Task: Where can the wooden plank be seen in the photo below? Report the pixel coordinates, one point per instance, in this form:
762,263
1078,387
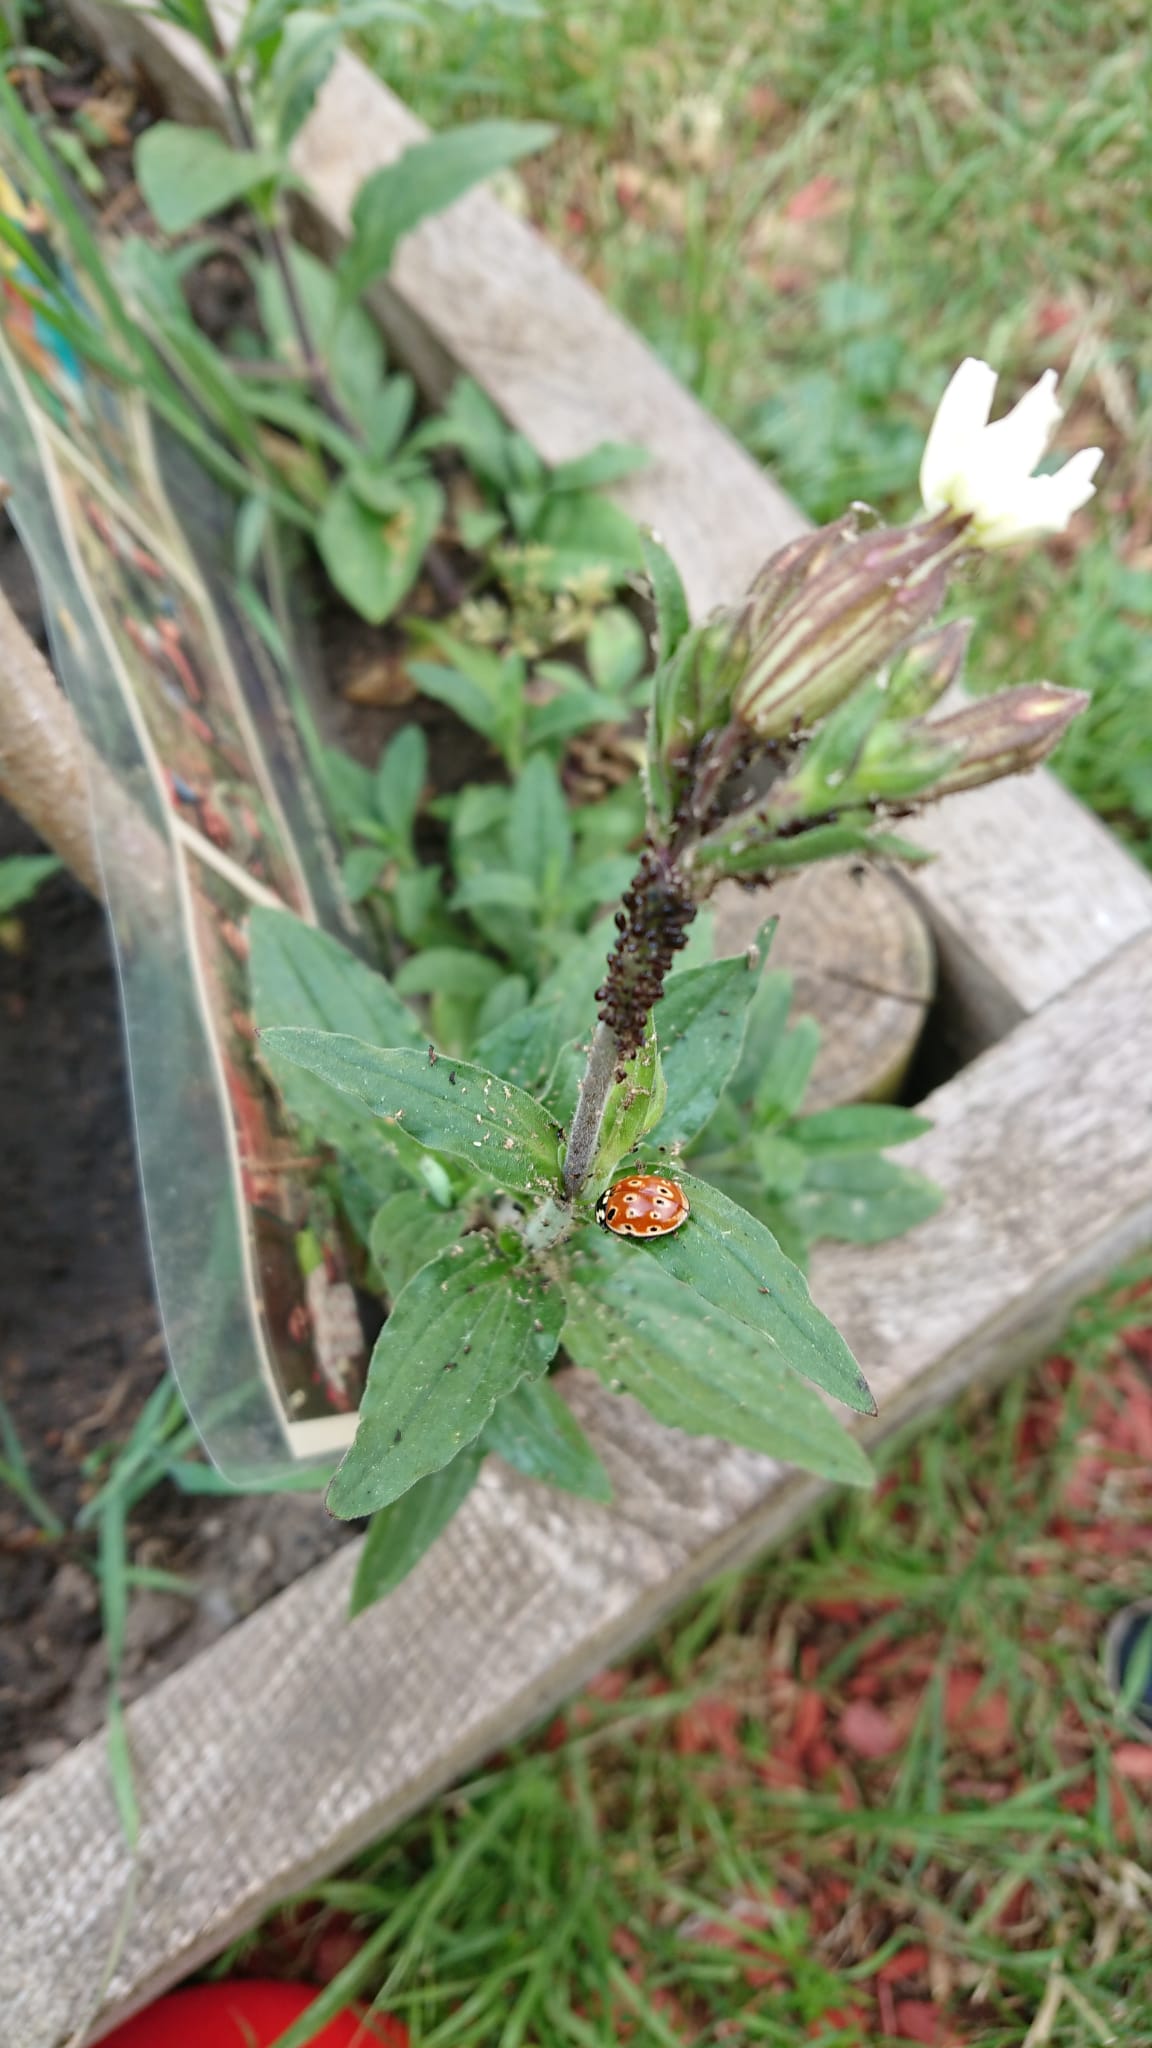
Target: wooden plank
1029,891
300,1736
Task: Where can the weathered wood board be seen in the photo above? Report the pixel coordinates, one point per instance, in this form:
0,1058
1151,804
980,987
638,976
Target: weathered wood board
299,1736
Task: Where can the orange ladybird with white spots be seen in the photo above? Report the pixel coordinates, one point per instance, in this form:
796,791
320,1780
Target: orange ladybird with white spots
642,1205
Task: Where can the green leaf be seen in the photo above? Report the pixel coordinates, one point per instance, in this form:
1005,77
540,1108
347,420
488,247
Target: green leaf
673,618
616,648
459,1109
784,1079
538,836
782,1165
400,777
534,1430
349,788
463,1334
193,15
448,971
701,1021
399,1535
527,1048
496,889
408,1231
604,464
594,884
305,977
386,416
374,561
186,173
360,871
424,180
573,711
865,1127
21,875
508,999
767,1022
863,1200
735,1263
585,532
692,1365
634,1107
470,422
304,56
467,698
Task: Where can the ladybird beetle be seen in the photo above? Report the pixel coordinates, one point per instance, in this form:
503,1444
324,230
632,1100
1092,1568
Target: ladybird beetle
642,1205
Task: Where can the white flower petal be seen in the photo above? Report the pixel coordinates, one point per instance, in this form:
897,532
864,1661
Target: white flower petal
1020,440
961,416
984,473
1043,504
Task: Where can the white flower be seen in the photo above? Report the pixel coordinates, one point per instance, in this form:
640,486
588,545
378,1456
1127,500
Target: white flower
986,471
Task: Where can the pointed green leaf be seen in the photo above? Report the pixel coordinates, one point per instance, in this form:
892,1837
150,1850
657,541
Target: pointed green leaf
448,971
604,464
616,648
583,532
301,976
669,602
408,1231
304,56
634,1107
863,1200
185,173
863,1127
692,1365
462,694
372,560
399,1535
526,1049
538,835
304,976
464,1333
21,875
400,777
735,1263
783,1081
448,1107
535,1431
424,180
701,1021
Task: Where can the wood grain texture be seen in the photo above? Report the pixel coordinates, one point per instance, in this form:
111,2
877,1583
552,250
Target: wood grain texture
860,953
300,1736
1029,891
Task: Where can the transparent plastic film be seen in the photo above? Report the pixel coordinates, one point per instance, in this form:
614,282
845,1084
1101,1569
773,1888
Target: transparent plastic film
203,807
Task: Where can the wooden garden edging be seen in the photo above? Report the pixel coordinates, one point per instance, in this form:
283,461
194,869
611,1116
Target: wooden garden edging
297,1737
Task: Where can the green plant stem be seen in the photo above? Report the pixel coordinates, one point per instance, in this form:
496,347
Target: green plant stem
595,1088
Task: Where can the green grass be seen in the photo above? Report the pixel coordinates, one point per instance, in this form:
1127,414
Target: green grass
813,211
669,1862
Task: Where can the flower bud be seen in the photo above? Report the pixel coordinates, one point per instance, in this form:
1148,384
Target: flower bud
1004,734
850,604
927,669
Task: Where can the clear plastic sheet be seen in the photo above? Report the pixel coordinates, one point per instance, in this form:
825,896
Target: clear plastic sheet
186,719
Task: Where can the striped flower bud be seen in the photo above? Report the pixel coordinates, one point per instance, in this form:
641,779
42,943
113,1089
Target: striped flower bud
842,610
1002,735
